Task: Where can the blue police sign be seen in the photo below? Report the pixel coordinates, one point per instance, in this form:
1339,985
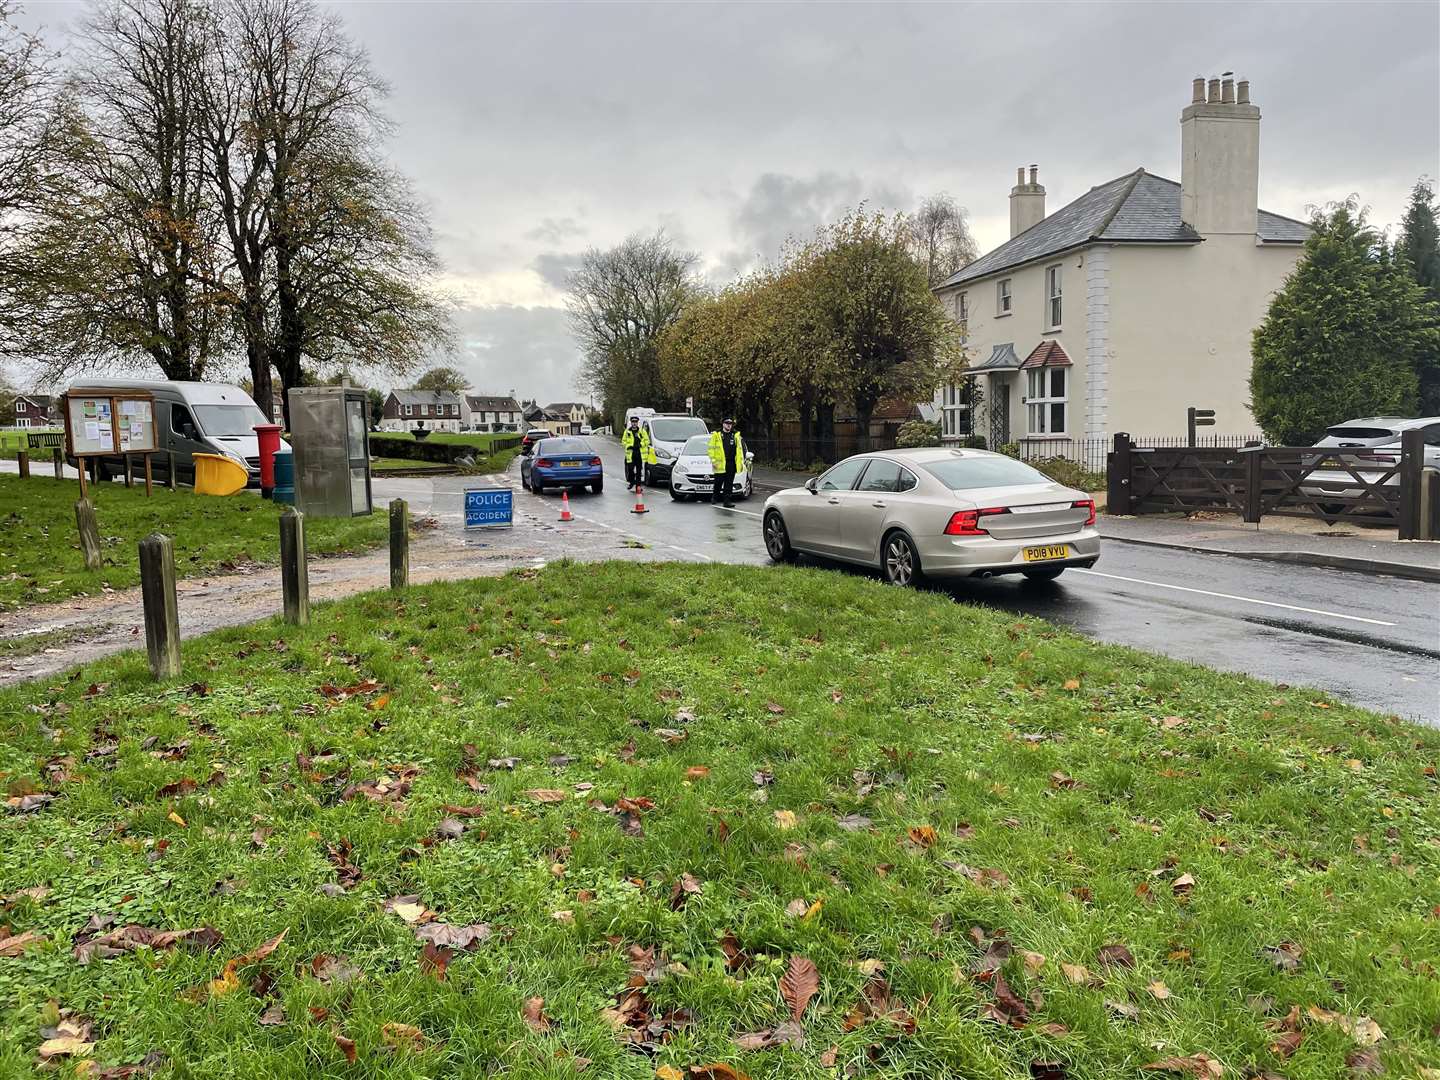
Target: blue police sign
487,508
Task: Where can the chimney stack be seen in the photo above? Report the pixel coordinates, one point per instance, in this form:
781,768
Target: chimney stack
1220,158
1027,201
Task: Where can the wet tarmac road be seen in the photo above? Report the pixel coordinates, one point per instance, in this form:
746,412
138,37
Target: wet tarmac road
1371,640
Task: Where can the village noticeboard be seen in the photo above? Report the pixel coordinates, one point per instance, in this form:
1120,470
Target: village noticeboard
489,508
110,423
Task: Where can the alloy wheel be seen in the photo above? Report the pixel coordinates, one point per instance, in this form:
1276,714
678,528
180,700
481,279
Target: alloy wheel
776,542
899,561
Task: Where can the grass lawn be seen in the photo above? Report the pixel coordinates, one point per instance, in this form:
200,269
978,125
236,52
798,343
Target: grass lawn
654,796
381,465
40,558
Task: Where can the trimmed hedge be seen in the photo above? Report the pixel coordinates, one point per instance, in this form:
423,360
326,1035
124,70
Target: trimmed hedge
447,453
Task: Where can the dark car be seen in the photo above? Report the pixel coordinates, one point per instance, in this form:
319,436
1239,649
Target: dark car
531,437
565,462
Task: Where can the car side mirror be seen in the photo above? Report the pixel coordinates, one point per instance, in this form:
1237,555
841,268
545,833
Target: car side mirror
812,485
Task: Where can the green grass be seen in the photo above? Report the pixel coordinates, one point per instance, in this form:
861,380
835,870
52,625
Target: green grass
813,693
381,465
40,560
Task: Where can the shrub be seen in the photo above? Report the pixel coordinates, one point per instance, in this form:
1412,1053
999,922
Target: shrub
917,433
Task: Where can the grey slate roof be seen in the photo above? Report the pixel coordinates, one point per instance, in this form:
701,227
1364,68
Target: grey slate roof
426,397
1002,358
487,403
1137,208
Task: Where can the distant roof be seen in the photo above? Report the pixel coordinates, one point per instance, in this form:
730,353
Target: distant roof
1047,354
564,406
45,401
482,401
426,397
1137,208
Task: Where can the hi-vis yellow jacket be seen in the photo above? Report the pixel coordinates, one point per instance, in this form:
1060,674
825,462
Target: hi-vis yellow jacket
717,452
627,442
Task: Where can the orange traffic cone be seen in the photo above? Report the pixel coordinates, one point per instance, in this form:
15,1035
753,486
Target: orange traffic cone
639,507
565,514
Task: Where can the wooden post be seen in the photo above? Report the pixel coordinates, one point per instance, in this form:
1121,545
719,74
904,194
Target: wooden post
1412,464
1254,473
170,480
399,544
149,481
1117,478
162,619
24,457
58,456
294,574
89,533
80,469
129,471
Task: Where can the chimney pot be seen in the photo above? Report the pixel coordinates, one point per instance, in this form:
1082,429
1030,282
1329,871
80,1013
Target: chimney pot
1020,176
1227,91
1242,88
1212,95
1197,91
1034,174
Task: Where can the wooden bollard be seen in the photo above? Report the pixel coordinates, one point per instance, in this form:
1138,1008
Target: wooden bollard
294,574
58,457
162,618
399,544
89,533
170,479
24,465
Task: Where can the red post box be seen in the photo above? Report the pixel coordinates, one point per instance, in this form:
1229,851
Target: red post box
268,436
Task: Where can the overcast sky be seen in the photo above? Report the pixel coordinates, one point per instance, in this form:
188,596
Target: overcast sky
538,130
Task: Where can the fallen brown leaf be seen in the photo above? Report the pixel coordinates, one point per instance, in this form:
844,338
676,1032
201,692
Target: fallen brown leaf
1194,1065
534,1015
799,984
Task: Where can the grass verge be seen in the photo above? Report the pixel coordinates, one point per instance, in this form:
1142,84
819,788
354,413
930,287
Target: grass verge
40,558
589,818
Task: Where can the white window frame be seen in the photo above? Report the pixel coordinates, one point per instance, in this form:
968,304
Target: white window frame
1040,406
1054,291
405,410
1004,297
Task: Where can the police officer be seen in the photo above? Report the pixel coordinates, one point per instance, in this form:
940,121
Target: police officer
727,457
635,442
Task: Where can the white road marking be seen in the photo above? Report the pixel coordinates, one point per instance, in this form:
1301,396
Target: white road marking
1228,596
737,510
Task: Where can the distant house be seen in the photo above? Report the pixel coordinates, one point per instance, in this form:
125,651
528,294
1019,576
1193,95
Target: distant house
536,417
434,410
1131,303
480,412
572,413
37,411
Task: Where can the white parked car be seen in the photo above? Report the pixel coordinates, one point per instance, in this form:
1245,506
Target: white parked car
694,476
1374,440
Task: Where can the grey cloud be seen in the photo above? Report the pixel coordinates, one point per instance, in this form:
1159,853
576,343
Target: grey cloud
555,230
555,267
528,350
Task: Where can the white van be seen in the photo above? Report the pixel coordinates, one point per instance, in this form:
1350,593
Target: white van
192,418
669,433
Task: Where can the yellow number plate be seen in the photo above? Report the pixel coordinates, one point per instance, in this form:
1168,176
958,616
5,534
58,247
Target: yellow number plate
1041,554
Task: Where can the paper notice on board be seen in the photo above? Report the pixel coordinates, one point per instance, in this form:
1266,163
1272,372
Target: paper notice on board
127,407
92,431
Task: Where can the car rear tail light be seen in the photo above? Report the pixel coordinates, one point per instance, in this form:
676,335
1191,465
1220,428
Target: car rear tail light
1088,505
594,461
1373,455
967,522
545,463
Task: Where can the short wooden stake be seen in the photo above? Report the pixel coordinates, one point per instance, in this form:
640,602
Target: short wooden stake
24,465
89,533
294,574
149,480
162,618
59,458
399,544
170,479
129,472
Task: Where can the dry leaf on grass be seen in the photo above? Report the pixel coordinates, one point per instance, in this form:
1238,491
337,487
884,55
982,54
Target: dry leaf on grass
534,1015
547,795
799,984
1195,1065
785,819
790,1033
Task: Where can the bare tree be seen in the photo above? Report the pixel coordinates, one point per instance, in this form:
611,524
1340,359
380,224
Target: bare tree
940,237
619,302
26,138
122,256
331,250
